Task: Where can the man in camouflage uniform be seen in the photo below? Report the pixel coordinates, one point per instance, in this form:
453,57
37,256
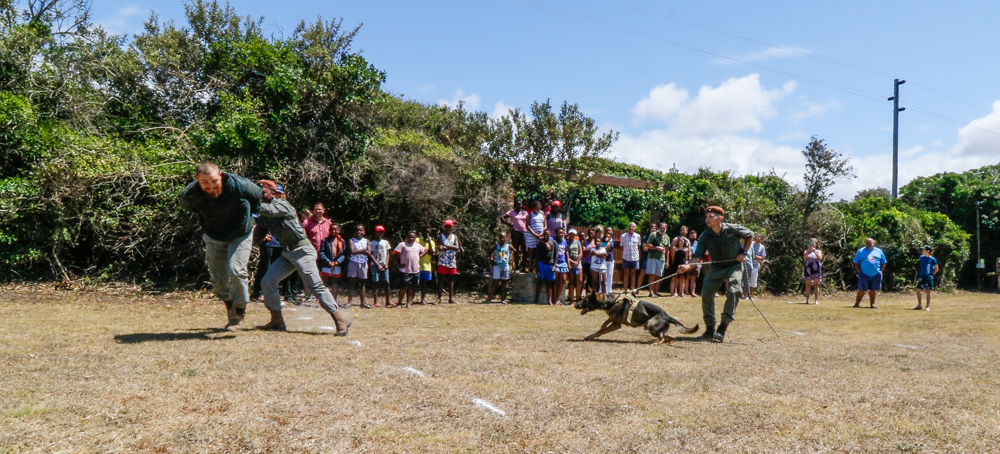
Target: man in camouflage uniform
726,245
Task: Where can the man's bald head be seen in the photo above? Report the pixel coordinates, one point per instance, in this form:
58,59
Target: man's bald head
206,168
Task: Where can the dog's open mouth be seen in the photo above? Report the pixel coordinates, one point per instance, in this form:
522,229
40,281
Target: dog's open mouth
584,311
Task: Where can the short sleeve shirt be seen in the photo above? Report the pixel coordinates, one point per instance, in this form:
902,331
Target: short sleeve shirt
655,239
409,257
725,245
871,261
431,247
630,246
381,252
519,221
927,265
758,249
317,231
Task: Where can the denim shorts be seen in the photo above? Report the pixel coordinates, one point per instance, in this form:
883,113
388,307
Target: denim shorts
379,275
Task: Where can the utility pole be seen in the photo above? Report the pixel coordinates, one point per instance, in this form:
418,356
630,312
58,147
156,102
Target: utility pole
895,135
980,265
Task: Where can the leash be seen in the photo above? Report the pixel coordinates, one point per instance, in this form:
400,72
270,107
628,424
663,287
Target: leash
633,293
672,275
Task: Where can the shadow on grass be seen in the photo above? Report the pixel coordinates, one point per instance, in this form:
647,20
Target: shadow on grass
201,334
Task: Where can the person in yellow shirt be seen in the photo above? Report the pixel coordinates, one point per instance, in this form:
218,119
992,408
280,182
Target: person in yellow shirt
426,265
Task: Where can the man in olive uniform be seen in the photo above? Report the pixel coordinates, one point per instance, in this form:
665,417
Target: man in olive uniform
277,216
727,245
224,203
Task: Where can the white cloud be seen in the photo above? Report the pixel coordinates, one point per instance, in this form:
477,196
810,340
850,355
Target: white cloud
771,53
123,20
736,105
661,103
501,110
981,137
704,131
470,101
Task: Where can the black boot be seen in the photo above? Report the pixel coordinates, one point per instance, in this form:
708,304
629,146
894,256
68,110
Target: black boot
720,335
709,333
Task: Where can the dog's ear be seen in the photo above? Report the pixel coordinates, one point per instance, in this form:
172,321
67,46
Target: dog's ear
599,297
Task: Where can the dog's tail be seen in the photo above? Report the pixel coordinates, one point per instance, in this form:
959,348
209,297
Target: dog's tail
683,329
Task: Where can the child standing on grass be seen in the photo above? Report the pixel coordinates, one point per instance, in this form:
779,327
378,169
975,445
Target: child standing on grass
409,253
380,274
357,269
546,256
331,255
426,263
928,269
447,263
561,267
598,259
501,269
574,259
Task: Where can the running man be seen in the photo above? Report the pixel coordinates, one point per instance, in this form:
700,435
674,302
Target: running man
224,203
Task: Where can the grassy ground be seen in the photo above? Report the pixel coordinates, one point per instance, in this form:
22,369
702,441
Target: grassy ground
98,372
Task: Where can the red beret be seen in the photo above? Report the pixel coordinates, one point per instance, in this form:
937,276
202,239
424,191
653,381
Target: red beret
715,209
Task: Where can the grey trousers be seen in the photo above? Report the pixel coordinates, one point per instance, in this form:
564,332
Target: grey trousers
303,260
733,278
227,266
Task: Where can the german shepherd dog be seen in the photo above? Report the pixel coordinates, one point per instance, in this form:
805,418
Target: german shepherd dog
627,310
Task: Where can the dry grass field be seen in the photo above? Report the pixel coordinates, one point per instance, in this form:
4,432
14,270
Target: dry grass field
100,372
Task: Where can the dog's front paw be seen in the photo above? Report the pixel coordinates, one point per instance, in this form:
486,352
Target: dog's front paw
590,338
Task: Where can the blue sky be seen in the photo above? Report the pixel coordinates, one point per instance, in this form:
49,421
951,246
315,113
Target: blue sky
656,72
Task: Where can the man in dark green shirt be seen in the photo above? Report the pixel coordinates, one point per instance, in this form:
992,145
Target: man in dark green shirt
726,245
224,203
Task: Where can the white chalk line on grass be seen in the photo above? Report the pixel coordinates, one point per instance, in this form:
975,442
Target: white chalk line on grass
800,334
906,346
304,318
330,328
488,406
413,371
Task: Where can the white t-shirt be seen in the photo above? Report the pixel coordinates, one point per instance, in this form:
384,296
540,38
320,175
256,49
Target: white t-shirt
630,246
381,252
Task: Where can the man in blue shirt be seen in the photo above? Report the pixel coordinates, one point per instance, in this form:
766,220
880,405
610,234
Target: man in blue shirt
928,268
869,263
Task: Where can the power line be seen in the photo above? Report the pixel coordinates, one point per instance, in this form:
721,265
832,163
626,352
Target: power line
798,52
849,90
567,13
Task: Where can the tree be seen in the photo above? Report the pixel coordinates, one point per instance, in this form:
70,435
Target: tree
824,166
547,153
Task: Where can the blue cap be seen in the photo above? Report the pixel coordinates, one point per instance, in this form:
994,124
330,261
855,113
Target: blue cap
279,189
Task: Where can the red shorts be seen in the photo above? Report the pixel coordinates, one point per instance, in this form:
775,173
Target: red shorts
444,271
